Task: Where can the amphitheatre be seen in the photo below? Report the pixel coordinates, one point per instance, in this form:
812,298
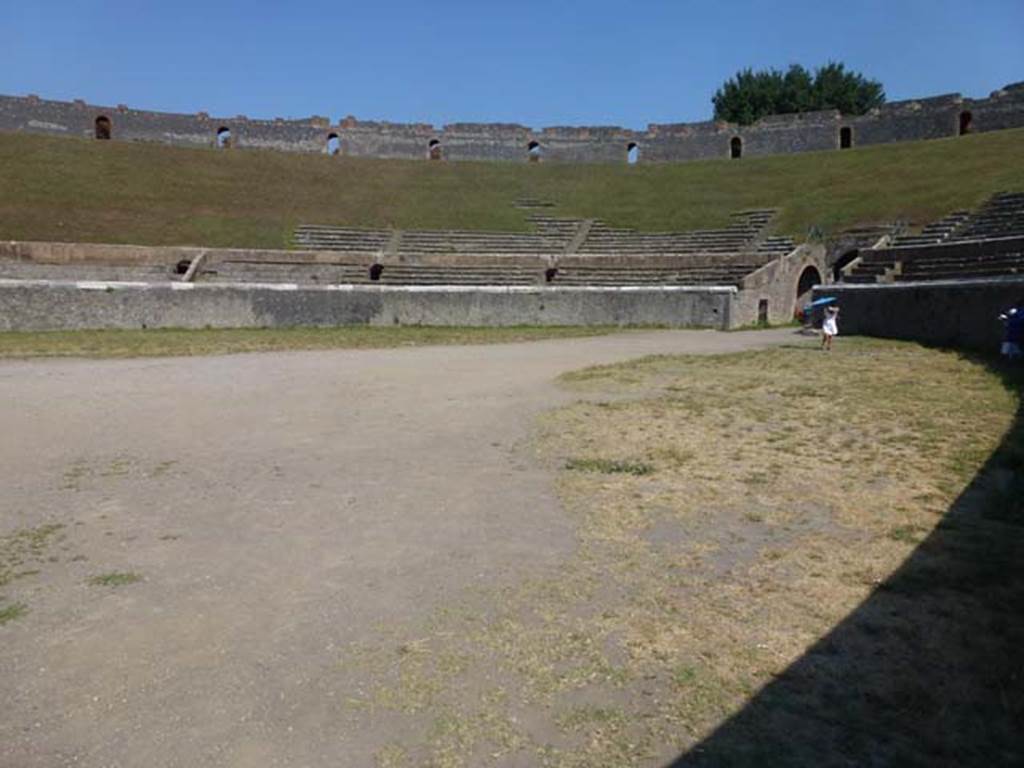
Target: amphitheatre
378,444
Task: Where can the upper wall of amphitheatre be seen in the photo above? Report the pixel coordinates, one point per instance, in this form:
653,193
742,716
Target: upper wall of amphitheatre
929,118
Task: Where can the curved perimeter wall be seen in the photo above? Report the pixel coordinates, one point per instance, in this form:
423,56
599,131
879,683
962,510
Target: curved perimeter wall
34,295
930,118
962,314
45,305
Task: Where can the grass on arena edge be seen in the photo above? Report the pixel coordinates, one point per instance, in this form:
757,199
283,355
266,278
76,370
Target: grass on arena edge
183,342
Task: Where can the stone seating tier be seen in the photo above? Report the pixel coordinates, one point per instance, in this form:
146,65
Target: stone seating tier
564,229
870,269
270,272
713,275
936,232
553,236
959,267
483,242
27,270
1001,216
312,272
417,274
776,245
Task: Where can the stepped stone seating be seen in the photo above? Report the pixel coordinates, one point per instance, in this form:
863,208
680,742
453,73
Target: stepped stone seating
325,238
553,236
873,265
935,232
302,272
562,230
426,241
717,274
742,235
479,275
775,246
957,267
958,246
1001,216
528,203
143,273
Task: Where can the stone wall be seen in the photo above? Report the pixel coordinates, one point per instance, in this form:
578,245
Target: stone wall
780,134
35,305
962,314
777,283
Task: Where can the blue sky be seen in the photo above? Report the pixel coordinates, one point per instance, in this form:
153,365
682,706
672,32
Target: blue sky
555,63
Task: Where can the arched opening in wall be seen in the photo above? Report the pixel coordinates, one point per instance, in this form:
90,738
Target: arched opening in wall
376,270
103,128
534,151
842,262
762,311
965,122
736,148
333,144
223,137
809,278
633,153
845,137
434,149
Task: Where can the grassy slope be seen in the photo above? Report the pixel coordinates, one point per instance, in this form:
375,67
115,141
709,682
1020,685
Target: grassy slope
71,189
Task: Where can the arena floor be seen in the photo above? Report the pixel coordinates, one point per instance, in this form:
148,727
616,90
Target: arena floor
200,536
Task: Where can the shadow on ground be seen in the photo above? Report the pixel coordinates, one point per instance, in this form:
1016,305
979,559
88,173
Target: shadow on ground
928,670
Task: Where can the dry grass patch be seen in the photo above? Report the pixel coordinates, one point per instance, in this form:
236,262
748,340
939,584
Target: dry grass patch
114,579
798,577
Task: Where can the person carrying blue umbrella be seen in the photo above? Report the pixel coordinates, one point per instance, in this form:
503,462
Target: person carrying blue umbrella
829,327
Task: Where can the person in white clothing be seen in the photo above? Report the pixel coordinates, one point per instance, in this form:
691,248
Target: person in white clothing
830,327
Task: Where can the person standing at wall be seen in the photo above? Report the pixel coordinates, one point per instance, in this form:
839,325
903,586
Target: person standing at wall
1013,335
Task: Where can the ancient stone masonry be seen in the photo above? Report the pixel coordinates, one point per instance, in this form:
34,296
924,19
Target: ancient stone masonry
930,118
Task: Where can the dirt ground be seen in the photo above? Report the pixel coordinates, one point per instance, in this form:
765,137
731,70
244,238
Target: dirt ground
189,546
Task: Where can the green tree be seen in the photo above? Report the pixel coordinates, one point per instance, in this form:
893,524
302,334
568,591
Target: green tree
849,92
749,95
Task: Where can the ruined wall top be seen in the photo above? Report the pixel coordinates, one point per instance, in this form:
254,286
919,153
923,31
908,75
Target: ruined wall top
911,119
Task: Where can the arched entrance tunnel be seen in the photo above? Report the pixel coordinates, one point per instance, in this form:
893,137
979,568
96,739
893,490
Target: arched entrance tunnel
809,278
102,128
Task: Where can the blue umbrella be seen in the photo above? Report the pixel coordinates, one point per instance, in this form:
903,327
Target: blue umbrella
819,303
822,302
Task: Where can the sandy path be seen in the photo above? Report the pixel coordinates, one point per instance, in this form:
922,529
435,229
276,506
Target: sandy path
278,507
